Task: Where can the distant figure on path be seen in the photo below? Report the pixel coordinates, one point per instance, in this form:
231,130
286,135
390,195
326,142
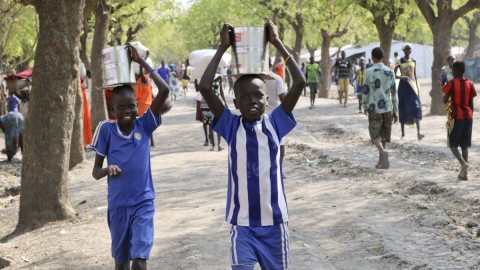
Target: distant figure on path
87,121
459,94
359,76
446,73
312,73
342,71
207,115
163,71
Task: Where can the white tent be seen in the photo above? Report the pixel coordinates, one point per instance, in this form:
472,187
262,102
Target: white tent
423,54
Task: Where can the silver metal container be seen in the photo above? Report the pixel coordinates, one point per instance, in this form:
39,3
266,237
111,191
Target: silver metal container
117,67
252,53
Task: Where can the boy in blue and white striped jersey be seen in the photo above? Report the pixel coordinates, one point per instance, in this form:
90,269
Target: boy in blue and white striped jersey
256,203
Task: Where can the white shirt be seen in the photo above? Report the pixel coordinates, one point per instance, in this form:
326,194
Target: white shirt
275,88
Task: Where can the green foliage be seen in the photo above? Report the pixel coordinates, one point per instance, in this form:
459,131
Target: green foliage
18,33
412,27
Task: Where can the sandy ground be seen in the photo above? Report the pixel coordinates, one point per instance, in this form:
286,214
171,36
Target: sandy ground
344,214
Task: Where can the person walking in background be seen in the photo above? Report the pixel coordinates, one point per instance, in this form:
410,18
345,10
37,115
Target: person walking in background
230,80
279,68
87,122
446,72
342,70
359,76
409,105
185,79
276,91
459,94
380,104
312,73
143,94
302,69
163,71
207,115
174,85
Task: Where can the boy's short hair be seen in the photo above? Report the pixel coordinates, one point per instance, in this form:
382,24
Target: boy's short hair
377,53
117,90
243,79
458,68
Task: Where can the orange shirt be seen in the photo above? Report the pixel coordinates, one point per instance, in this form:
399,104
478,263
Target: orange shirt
280,70
143,92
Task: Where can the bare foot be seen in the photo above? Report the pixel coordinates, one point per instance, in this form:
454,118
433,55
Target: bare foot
383,163
463,173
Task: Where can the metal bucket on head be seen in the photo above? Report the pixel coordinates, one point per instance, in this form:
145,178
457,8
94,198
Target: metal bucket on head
250,50
117,66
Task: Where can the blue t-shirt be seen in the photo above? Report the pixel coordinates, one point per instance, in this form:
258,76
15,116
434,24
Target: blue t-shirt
131,153
163,72
255,195
13,103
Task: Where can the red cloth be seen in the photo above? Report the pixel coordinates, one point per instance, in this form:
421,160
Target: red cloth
22,75
87,123
461,91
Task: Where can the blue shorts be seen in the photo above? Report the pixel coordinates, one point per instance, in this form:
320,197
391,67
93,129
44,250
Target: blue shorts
267,245
131,229
460,134
359,90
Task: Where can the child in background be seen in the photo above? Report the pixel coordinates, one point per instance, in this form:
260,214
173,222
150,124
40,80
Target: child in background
143,93
174,85
256,204
12,103
359,74
125,142
459,94
87,121
207,115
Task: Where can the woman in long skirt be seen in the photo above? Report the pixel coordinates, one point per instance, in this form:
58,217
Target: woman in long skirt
409,106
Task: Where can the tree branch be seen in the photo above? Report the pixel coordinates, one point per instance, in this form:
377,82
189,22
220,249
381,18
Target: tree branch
463,10
427,11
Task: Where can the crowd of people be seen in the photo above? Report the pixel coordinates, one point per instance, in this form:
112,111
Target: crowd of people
256,203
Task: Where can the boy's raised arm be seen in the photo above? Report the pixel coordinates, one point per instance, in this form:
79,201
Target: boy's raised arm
298,80
163,89
205,85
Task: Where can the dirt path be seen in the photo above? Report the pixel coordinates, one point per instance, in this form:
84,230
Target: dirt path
344,214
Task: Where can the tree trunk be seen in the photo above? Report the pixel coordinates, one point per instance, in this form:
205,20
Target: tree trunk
83,44
442,33
44,196
100,38
77,154
385,34
297,48
325,66
473,38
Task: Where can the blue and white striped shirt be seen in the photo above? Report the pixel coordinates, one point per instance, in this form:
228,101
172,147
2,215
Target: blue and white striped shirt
256,194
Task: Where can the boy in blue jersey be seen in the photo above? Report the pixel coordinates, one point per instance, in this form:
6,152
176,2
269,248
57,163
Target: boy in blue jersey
256,204
126,144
